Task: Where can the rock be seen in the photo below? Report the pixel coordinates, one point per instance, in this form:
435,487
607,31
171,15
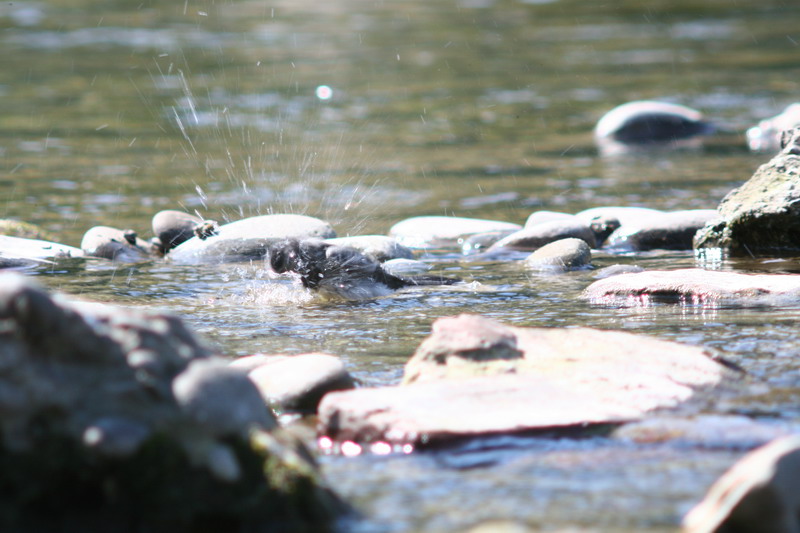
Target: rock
602,227
444,232
625,215
24,230
173,228
646,124
668,231
249,238
538,217
560,256
297,383
404,267
480,242
762,217
114,418
703,431
114,244
766,137
693,286
759,493
536,236
20,252
377,247
474,376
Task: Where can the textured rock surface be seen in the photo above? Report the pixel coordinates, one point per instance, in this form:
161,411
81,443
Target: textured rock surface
762,217
434,231
474,376
693,285
760,493
249,238
121,421
560,256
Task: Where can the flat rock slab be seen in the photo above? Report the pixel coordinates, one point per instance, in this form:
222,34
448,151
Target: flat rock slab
474,376
34,250
668,231
249,238
693,285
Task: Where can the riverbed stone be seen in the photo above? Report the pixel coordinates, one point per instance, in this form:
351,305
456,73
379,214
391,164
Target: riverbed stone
172,228
626,215
762,217
693,286
115,244
24,230
19,252
538,217
668,231
112,417
377,247
561,256
533,237
766,136
249,238
646,124
761,492
474,376
297,383
444,232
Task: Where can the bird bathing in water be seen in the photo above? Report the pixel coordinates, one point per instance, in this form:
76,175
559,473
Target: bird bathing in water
341,271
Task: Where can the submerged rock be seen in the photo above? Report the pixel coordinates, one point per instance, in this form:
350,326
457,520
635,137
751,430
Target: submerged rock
119,420
115,244
693,285
535,236
297,383
249,238
762,217
444,232
668,231
560,256
626,215
647,124
766,136
474,376
761,492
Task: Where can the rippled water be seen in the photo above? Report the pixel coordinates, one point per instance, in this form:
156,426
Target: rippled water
480,108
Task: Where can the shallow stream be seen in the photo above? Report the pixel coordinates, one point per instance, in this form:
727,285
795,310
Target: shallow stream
366,113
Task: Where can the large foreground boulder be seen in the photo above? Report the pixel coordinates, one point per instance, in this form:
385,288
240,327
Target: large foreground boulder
693,286
116,420
759,493
762,217
474,377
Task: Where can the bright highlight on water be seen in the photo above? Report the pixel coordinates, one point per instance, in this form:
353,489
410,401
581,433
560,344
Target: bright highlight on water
324,92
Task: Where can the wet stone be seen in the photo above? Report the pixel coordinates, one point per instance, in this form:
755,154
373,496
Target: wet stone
533,237
377,247
444,232
667,231
173,228
18,251
115,244
561,256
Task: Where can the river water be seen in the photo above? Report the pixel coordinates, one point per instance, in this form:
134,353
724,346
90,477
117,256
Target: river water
366,113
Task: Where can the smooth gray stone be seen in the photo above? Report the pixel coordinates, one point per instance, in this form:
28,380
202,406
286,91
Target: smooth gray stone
481,242
533,237
476,377
377,247
20,252
625,215
643,125
249,238
761,492
669,231
537,217
694,286
403,267
762,217
173,228
766,136
561,256
115,244
444,232
297,383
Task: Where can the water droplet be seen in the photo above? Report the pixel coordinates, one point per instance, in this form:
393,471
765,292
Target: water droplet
324,92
